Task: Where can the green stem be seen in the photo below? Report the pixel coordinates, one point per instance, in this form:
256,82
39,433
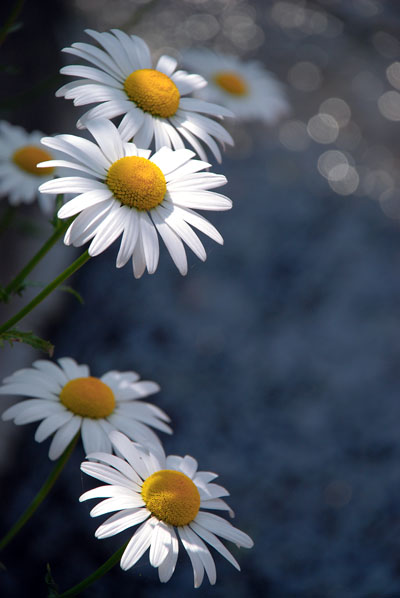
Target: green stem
113,560
41,495
12,17
78,263
16,282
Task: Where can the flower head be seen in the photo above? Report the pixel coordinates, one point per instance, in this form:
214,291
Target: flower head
246,88
123,81
126,191
165,495
68,399
20,152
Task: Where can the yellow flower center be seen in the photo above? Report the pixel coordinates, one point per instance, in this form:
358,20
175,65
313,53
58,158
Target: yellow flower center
231,82
88,397
171,496
136,182
153,92
28,156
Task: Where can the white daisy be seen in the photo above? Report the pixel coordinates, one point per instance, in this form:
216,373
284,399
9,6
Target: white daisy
164,494
125,191
20,152
68,399
124,82
246,88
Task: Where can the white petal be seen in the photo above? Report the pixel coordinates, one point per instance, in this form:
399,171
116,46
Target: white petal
51,370
49,425
202,200
166,64
109,491
190,138
119,473
129,237
223,528
93,437
135,431
72,369
138,260
131,123
200,223
84,201
149,240
131,453
197,564
63,437
167,567
160,542
108,231
84,227
107,137
196,105
82,150
88,72
113,47
161,137
71,184
28,390
121,521
187,83
183,231
211,539
145,134
197,181
109,109
97,57
169,160
172,241
138,544
198,546
116,504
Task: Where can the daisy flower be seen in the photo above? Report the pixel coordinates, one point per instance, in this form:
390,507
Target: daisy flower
123,81
166,495
125,191
246,88
68,399
20,178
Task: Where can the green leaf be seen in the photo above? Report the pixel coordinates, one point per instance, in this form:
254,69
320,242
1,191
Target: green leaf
17,336
51,584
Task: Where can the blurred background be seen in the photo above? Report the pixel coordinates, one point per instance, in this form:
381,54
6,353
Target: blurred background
279,357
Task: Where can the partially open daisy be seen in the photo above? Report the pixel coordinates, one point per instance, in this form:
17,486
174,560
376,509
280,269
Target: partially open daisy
125,191
164,494
68,399
20,178
246,88
123,81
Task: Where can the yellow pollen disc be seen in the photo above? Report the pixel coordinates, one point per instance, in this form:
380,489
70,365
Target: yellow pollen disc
231,82
153,92
136,182
28,156
171,496
88,397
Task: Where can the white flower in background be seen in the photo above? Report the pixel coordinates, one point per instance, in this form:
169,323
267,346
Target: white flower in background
164,494
68,400
124,82
20,152
246,88
125,191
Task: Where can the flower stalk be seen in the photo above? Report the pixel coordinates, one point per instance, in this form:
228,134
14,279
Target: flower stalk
109,564
41,495
78,263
